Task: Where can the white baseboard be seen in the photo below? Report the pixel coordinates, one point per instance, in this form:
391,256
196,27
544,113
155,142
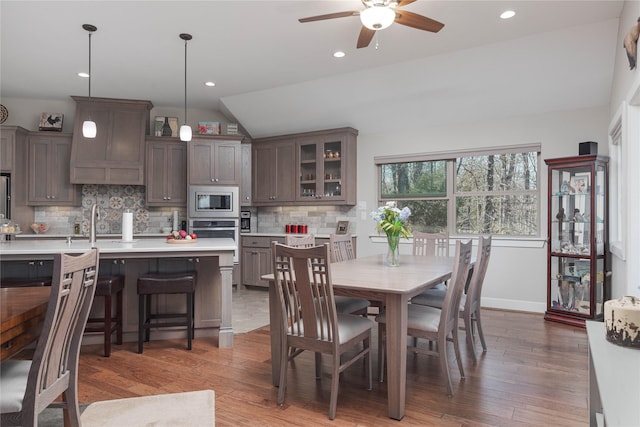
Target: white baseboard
518,305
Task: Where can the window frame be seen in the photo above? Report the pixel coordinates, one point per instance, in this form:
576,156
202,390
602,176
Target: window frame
451,157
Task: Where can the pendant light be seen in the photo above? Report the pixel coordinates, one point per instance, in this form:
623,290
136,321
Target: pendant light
89,129
185,129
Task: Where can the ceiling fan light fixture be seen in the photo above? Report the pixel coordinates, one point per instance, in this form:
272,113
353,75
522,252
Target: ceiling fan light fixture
377,17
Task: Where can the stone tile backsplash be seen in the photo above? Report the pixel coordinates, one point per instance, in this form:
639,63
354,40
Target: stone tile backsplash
112,201
319,219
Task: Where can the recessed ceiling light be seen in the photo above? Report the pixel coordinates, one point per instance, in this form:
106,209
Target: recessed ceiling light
85,75
210,84
507,14
339,54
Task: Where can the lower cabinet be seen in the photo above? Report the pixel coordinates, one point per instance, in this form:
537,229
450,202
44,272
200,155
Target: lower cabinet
256,259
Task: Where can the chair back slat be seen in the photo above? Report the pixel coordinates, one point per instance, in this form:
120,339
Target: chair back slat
453,295
480,269
341,246
306,241
304,288
430,244
55,361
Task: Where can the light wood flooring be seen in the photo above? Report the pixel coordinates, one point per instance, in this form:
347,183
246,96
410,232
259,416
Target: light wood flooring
534,374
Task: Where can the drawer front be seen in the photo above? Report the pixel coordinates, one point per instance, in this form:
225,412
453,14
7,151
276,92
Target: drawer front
259,241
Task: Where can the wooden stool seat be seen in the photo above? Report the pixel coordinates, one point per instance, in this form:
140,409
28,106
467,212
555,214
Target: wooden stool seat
20,283
160,284
106,287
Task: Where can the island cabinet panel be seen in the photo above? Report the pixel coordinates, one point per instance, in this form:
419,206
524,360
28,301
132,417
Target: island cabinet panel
273,172
215,161
48,171
117,154
166,173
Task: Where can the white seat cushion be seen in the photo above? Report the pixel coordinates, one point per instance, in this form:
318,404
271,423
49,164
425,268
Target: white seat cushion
13,377
419,317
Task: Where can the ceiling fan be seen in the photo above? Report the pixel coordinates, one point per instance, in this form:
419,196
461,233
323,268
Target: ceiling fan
378,15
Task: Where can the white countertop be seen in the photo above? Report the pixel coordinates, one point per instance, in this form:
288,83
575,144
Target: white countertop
51,246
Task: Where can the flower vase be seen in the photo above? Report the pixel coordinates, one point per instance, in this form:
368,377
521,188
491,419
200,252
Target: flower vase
393,251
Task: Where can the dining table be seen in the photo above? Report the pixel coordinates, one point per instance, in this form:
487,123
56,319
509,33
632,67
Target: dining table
369,277
22,310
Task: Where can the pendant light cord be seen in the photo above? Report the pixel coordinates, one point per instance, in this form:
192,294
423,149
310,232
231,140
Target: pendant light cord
185,81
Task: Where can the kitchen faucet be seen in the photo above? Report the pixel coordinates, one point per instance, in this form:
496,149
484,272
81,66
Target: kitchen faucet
92,228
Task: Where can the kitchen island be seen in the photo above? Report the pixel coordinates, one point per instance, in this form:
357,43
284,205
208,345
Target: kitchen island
212,259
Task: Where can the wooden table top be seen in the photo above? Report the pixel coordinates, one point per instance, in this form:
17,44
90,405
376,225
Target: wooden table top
19,304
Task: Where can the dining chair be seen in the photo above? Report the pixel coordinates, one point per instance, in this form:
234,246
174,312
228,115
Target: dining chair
305,241
310,320
30,386
470,301
431,244
341,247
434,324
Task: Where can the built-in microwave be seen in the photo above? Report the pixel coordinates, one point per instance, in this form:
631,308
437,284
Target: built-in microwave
211,202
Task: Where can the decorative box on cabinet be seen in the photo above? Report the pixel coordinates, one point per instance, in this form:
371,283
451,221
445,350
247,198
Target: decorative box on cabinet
215,160
327,167
578,265
273,172
48,170
166,172
117,154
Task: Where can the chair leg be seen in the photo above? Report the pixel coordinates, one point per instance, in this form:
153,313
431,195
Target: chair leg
444,363
189,319
468,326
284,359
382,344
318,357
141,318
335,378
367,345
147,319
480,333
119,318
107,325
456,347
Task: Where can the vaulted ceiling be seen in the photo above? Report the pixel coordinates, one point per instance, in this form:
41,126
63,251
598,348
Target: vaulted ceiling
276,75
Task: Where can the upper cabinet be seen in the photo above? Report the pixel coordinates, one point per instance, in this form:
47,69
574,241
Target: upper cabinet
48,168
273,172
215,160
10,137
245,186
166,172
117,154
320,170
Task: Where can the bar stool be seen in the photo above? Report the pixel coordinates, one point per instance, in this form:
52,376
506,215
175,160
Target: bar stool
159,284
20,283
107,287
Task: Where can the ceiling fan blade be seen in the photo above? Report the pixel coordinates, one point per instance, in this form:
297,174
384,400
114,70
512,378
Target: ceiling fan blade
405,2
330,16
420,22
365,37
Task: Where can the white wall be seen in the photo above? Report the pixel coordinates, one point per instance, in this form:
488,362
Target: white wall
625,98
516,277
25,112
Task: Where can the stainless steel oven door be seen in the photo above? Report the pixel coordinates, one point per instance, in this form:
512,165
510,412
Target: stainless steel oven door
217,229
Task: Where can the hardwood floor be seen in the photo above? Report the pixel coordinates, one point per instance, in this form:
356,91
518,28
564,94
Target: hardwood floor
535,373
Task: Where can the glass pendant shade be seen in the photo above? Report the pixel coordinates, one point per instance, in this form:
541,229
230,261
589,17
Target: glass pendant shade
89,129
377,17
185,133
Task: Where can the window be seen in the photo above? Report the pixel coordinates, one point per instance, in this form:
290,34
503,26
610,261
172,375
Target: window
484,191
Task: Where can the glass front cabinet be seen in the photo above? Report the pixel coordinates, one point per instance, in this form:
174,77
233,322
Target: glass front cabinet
578,270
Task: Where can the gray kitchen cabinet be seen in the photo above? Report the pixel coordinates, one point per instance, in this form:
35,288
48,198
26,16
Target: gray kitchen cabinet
215,161
256,259
48,170
11,137
273,172
166,172
311,168
245,185
13,160
117,154
327,167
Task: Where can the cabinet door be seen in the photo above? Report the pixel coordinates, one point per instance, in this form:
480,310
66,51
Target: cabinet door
49,162
201,156
7,147
227,163
245,184
285,173
256,262
263,179
322,165
166,174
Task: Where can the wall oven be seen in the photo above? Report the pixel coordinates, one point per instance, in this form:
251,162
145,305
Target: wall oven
209,201
217,229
